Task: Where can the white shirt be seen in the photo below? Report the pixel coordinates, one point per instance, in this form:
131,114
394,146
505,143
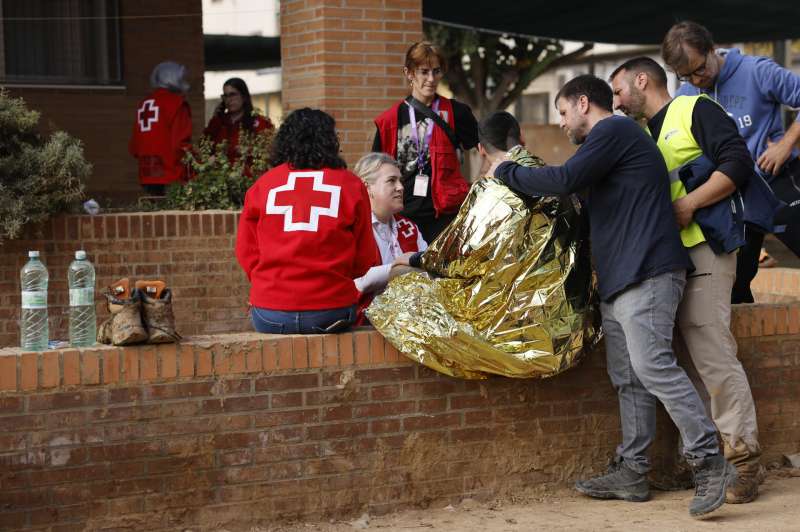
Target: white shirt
377,277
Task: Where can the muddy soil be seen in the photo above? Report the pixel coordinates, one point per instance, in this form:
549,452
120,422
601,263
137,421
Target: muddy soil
777,509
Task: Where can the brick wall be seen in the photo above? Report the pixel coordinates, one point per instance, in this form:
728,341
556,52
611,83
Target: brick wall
103,117
776,285
192,252
346,57
253,428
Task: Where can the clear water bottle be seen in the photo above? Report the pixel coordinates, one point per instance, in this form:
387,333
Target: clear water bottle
82,319
33,323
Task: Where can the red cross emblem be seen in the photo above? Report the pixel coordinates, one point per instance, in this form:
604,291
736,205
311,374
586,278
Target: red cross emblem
405,227
304,198
147,115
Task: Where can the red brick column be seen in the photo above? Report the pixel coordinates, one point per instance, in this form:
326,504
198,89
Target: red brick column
346,58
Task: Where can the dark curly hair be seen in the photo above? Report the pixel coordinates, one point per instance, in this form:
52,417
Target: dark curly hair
307,139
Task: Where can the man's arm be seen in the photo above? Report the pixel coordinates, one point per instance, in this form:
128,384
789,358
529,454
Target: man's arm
782,86
720,141
593,161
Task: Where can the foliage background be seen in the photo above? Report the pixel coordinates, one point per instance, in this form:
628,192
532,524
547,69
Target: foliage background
39,176
218,182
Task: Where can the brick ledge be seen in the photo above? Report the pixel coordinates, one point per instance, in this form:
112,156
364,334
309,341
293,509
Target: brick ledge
198,356
247,353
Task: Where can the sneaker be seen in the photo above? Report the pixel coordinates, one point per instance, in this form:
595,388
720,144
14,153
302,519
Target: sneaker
712,477
619,482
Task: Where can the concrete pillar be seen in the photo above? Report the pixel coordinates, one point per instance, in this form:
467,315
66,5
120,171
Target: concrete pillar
346,58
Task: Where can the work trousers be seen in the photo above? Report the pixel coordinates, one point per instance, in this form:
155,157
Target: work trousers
704,317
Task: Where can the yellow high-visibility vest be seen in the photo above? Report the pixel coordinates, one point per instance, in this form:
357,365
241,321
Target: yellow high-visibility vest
678,146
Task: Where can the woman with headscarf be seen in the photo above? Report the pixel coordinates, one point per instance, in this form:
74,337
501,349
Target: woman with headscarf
233,114
304,233
162,129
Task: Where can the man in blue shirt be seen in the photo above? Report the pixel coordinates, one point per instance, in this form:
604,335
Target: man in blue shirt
641,268
751,89
689,130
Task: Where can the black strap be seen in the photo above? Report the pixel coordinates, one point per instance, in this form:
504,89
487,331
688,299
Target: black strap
438,120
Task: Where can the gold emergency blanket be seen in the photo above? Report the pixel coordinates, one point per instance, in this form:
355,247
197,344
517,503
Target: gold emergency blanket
509,291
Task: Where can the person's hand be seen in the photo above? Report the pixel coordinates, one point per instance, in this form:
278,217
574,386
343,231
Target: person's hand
771,161
402,260
684,210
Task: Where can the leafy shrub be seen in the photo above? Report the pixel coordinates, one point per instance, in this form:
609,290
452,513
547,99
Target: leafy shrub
39,176
219,183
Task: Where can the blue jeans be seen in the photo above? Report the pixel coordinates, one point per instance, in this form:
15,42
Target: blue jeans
638,326
303,321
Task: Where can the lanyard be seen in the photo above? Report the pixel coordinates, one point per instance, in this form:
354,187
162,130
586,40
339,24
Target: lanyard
421,149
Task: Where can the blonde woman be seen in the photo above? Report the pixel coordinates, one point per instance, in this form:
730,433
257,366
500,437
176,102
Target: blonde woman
398,240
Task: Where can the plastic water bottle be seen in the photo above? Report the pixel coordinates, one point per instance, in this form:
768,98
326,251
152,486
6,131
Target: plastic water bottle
33,323
82,320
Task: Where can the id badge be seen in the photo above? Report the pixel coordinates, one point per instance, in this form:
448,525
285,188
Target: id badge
421,185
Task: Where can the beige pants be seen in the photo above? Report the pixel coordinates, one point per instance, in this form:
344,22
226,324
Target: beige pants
704,317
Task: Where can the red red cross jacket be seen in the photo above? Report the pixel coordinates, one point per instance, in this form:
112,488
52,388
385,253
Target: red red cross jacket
220,129
448,186
303,236
162,132
408,239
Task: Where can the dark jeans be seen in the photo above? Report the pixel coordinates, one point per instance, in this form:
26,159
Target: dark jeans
786,187
303,321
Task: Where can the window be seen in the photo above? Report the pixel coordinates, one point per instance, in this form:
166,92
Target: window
67,42
535,108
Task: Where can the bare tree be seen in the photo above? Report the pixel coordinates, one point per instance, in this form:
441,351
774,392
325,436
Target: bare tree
489,71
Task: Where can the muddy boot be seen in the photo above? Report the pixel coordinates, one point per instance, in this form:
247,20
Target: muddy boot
713,475
124,327
619,482
748,470
158,318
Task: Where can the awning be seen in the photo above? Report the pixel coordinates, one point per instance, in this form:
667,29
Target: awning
241,52
636,22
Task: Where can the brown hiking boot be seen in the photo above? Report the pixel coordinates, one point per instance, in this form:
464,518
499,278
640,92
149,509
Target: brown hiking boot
748,469
158,317
124,327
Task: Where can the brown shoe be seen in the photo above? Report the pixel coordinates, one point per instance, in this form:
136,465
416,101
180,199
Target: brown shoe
124,327
158,318
748,473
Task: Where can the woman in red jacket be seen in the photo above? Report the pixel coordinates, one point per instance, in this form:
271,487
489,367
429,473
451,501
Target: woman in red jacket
429,155
234,113
305,232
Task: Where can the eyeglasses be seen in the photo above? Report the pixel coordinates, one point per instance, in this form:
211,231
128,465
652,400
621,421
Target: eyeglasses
425,71
230,94
699,71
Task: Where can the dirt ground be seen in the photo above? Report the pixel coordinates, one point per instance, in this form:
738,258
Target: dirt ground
777,509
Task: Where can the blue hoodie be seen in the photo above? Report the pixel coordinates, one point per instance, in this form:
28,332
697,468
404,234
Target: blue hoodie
752,89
